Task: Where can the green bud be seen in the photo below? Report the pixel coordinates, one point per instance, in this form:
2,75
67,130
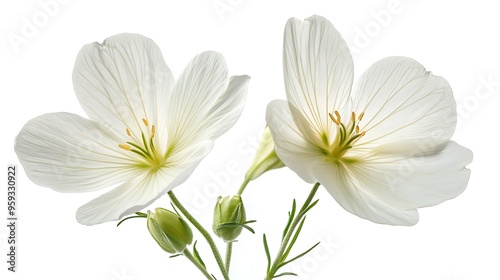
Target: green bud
169,230
265,158
229,215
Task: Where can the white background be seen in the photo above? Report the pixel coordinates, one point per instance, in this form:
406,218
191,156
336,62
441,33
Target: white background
457,240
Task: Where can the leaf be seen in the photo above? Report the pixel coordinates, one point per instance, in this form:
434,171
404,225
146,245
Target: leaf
197,256
139,215
175,209
301,255
268,256
294,239
236,224
285,274
176,255
310,206
291,215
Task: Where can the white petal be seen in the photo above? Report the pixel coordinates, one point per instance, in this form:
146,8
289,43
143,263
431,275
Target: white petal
318,69
403,102
122,81
415,182
194,94
183,161
295,150
225,111
344,187
125,199
144,189
68,153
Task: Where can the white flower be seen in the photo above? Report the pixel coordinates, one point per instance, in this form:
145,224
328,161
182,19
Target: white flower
146,132
382,150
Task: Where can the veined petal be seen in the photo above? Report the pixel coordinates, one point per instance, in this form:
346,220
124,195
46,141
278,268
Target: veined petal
144,189
403,102
345,188
194,95
125,199
68,153
122,81
414,182
318,70
291,146
225,111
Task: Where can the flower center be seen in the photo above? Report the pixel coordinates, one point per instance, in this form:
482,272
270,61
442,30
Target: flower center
347,135
144,147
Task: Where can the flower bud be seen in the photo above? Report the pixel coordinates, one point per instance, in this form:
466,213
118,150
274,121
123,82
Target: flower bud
265,158
169,230
229,215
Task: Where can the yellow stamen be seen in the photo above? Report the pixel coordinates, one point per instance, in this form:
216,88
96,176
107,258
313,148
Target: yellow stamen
338,116
345,138
333,119
124,146
143,149
361,116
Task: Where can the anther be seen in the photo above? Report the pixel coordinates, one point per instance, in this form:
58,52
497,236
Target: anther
353,116
128,132
361,116
153,130
357,129
124,146
146,123
338,116
333,119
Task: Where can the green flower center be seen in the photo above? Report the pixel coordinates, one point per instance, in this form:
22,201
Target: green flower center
145,148
347,135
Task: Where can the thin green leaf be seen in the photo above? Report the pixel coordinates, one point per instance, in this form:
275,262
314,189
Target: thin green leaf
268,256
292,242
301,255
139,215
310,206
175,209
197,256
285,274
291,215
236,224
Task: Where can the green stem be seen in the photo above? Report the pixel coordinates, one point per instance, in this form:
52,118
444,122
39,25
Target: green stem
286,239
229,251
243,185
203,232
203,270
